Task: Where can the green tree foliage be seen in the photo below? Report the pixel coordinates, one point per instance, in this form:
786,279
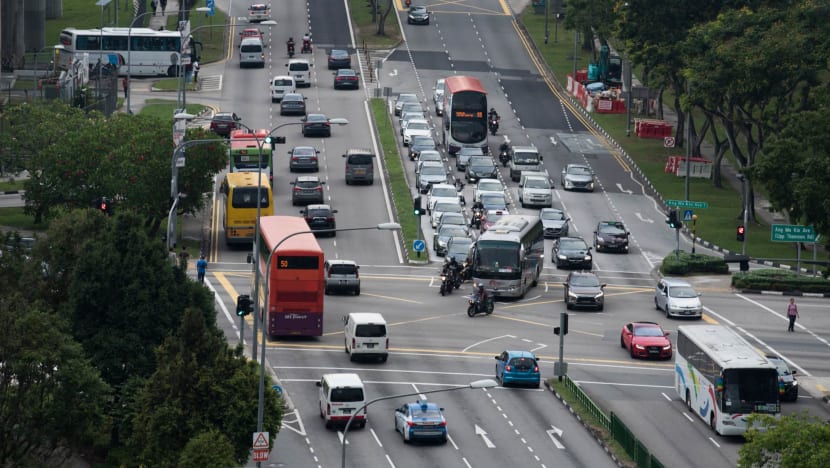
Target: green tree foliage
200,385
210,449
793,441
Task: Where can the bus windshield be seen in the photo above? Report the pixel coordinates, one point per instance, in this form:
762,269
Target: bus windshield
750,391
500,258
245,197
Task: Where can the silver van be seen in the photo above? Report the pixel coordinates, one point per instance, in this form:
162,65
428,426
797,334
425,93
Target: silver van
360,166
524,158
251,53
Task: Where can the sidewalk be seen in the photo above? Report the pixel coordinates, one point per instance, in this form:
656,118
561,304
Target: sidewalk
160,19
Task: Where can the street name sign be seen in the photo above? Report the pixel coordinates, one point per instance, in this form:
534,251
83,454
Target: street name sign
687,204
792,233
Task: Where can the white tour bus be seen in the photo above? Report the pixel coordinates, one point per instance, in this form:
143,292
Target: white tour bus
507,258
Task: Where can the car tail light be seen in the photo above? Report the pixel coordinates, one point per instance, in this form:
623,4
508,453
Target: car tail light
330,218
298,189
294,158
353,343
329,273
318,189
328,408
326,124
535,368
508,368
442,424
314,158
410,423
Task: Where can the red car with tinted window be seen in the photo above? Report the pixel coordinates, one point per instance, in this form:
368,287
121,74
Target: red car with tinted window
646,340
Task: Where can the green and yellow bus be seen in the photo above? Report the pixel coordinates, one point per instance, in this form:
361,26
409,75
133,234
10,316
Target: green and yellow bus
244,154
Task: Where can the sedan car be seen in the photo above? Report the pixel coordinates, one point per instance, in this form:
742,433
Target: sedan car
339,58
481,167
304,158
572,252
646,340
611,235
346,78
429,155
494,201
292,104
320,218
419,144
416,128
223,123
442,193
421,420
518,367
487,186
444,234
438,96
306,190
462,157
583,290
430,173
316,124
459,248
454,219
490,218
411,107
787,384
555,222
444,207
402,99
417,15
577,177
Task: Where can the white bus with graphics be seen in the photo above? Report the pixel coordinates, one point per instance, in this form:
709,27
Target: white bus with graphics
507,258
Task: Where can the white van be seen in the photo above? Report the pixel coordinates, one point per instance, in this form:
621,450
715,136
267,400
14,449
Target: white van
280,86
300,70
340,396
524,158
251,53
366,336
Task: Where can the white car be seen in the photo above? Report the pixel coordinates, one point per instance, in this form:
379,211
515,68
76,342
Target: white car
442,207
425,156
416,128
441,193
438,96
407,117
488,186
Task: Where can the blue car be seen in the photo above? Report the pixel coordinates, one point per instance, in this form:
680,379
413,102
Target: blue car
421,420
518,367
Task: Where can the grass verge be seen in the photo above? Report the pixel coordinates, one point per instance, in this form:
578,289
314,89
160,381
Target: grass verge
401,196
10,183
366,31
163,108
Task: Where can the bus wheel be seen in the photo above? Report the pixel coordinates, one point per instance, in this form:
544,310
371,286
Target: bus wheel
712,422
689,400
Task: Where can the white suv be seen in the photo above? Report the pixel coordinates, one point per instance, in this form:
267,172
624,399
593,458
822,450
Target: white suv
677,298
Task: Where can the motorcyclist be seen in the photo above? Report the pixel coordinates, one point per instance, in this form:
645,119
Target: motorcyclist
306,42
290,45
451,268
480,296
493,115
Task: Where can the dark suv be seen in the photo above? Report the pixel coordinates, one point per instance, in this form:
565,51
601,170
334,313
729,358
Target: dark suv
307,190
583,290
320,218
611,235
572,252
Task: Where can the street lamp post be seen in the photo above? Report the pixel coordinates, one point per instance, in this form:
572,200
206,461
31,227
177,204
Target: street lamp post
261,404
129,53
102,4
744,182
486,383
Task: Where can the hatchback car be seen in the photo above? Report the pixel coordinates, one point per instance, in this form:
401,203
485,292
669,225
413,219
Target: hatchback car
611,235
646,340
554,222
518,367
292,104
572,252
677,298
462,157
306,190
430,173
316,125
411,108
577,177
421,420
443,235
441,207
320,218
402,99
304,158
787,384
583,290
419,144
442,193
223,123
342,275
481,167
346,78
339,58
417,15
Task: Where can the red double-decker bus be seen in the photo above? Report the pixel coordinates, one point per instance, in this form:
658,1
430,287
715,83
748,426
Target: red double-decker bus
296,284
465,114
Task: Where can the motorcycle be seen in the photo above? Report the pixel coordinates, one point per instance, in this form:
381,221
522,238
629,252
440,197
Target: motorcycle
306,46
466,272
477,306
504,154
290,50
475,222
494,125
446,285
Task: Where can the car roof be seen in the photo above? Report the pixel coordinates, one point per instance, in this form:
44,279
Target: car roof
318,207
644,323
434,186
346,71
525,149
348,262
223,114
339,51
344,380
460,240
316,116
421,404
676,282
548,210
308,178
583,273
432,164
292,96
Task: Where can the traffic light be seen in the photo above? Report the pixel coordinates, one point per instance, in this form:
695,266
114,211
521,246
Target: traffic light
103,204
741,233
279,140
563,322
244,306
268,140
416,207
674,220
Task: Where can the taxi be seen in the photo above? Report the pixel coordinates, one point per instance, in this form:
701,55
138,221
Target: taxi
421,420
259,12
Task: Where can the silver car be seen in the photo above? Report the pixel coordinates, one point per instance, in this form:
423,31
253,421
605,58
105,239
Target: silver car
442,207
577,177
342,275
304,158
554,222
444,234
430,173
402,99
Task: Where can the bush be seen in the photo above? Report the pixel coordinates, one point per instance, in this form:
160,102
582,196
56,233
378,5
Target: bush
688,263
779,280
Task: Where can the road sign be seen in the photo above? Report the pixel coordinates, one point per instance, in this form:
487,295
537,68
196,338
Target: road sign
261,441
260,455
687,204
668,142
419,245
792,233
687,215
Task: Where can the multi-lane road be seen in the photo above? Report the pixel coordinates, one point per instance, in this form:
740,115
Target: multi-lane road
433,343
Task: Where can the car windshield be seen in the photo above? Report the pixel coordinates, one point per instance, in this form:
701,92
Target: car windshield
307,184
346,72
554,215
682,292
433,170
304,151
579,170
460,246
537,183
318,212
444,192
452,230
482,165
316,118
525,157
421,140
448,207
417,126
493,200
495,216
585,281
611,229
452,218
336,53
429,156
572,244
418,10
780,365
403,98
647,331
522,363
223,117
430,413
490,186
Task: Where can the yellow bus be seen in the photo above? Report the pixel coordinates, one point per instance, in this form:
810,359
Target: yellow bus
239,194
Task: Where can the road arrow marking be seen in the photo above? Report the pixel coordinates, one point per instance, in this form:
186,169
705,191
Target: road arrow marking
645,220
619,186
553,434
553,141
481,432
394,72
340,436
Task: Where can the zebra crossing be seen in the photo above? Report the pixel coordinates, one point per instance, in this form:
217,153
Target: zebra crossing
210,83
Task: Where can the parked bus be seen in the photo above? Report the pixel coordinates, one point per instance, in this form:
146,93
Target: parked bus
722,378
296,284
239,195
152,53
508,258
243,153
465,114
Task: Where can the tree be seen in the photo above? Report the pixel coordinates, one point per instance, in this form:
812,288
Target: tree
200,385
792,441
210,449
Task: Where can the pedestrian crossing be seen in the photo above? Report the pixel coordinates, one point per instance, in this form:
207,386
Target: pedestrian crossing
210,83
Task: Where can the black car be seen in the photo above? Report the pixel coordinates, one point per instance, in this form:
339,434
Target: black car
481,167
316,125
572,252
224,122
304,158
420,143
554,222
320,218
611,235
583,290
462,157
292,104
339,58
346,78
418,15
787,383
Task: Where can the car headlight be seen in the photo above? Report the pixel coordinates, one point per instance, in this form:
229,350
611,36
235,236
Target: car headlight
599,295
587,258
667,347
639,346
572,294
795,383
561,257
600,239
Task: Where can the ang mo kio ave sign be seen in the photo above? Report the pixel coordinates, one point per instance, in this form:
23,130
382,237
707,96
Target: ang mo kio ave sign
792,233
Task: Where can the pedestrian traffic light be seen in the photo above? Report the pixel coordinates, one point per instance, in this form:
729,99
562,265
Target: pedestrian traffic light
674,220
416,207
741,233
244,306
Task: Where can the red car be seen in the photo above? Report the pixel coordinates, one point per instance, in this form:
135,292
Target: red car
646,340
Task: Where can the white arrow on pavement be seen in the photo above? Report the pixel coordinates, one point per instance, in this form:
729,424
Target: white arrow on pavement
481,432
645,220
394,72
553,141
553,434
340,435
619,186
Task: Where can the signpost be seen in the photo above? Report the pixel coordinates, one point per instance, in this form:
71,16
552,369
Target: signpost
688,215
260,445
687,204
792,233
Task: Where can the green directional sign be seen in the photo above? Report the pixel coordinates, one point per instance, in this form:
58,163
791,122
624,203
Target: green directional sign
792,233
687,204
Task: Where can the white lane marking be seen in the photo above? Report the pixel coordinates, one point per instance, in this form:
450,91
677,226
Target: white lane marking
485,341
481,432
553,433
666,396
421,396
340,436
714,442
466,462
300,428
390,461
643,218
452,442
619,186
376,437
